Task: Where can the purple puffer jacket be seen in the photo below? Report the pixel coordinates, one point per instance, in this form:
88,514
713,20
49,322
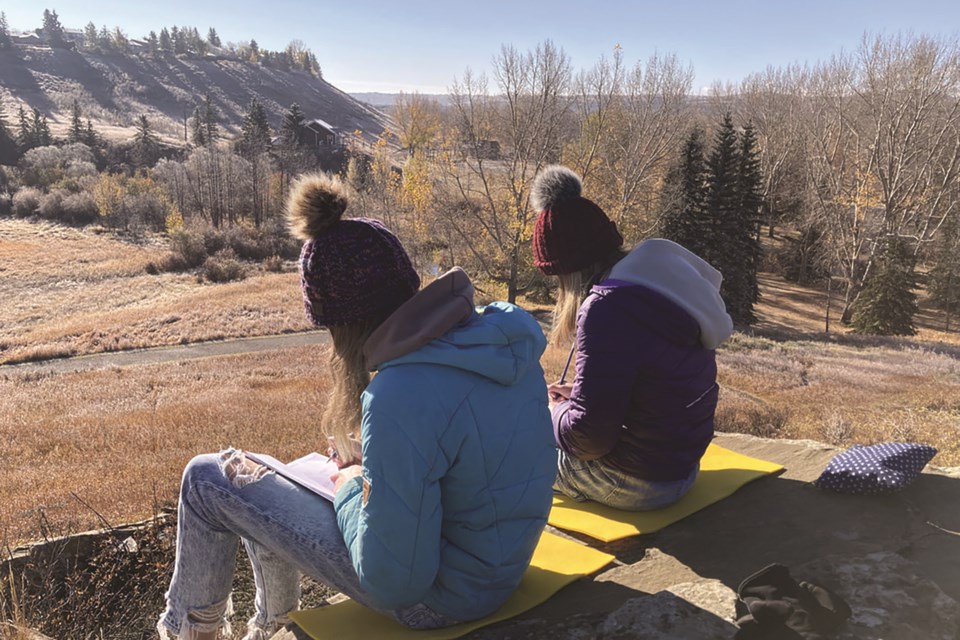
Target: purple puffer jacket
645,389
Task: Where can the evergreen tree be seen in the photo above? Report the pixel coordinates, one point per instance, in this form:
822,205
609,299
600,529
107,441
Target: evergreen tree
52,29
145,143
91,39
153,44
198,134
41,130
105,39
212,38
294,125
254,51
255,132
25,137
76,132
211,121
120,41
179,39
744,231
683,196
8,145
887,303
5,41
166,44
90,136
730,231
944,283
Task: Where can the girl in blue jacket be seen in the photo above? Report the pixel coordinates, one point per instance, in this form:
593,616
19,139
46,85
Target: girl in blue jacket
637,416
437,515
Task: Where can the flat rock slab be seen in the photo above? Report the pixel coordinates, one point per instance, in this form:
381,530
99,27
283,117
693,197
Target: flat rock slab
895,559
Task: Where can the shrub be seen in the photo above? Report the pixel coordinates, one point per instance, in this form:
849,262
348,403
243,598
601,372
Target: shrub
6,204
79,209
223,267
26,201
51,205
189,247
273,264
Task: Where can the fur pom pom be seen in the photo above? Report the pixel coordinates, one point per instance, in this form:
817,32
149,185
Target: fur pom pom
553,184
316,204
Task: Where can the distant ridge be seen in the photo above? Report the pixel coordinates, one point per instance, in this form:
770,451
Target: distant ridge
113,90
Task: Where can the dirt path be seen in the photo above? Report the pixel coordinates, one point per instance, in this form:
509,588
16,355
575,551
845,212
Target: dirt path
169,354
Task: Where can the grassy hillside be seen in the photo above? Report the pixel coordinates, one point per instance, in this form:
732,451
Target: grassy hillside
113,90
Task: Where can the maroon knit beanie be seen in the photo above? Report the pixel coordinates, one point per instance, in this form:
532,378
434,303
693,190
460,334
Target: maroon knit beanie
351,270
571,232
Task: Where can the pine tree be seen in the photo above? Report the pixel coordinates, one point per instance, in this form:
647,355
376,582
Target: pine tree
198,134
293,127
41,129
90,136
76,133
211,121
8,146
153,44
105,39
25,137
255,132
166,44
213,38
91,39
5,41
145,143
683,196
944,283
744,235
120,41
52,29
887,303
179,39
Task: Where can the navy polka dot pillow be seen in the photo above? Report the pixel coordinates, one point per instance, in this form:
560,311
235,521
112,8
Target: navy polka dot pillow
879,468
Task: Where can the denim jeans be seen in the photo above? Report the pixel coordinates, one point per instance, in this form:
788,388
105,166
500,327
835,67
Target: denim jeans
593,480
286,530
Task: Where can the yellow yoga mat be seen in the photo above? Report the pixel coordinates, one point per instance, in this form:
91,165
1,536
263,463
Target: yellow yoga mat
722,472
556,563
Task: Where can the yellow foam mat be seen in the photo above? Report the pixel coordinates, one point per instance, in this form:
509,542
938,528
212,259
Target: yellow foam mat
556,563
722,472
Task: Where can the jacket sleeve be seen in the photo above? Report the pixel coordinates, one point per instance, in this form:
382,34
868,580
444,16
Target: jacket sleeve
391,519
590,423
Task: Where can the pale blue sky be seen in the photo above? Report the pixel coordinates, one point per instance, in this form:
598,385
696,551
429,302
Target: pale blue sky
409,45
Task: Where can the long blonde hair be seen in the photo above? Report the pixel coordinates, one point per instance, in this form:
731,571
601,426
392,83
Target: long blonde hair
342,414
574,288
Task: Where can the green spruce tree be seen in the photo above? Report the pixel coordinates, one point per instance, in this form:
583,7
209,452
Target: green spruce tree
41,129
294,125
887,303
198,133
5,41
52,29
212,38
25,137
76,132
91,39
211,120
255,131
166,44
682,201
944,282
145,143
8,145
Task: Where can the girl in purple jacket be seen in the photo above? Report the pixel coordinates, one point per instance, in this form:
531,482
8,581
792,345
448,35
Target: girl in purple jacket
634,423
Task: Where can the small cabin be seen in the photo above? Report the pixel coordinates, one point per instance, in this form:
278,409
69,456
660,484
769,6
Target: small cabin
322,134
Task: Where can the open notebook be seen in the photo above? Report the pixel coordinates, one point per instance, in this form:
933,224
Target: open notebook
312,471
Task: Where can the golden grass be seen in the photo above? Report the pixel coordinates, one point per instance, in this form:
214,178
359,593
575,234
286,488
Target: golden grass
67,292
119,438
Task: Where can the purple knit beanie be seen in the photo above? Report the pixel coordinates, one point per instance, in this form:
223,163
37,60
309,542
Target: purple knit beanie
351,270
571,232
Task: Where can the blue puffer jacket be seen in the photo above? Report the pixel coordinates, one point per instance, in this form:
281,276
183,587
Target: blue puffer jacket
458,465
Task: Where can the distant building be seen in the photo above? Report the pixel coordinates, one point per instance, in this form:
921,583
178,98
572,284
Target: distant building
322,134
28,39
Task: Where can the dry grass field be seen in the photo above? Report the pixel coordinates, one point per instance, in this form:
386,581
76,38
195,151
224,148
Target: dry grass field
111,443
66,292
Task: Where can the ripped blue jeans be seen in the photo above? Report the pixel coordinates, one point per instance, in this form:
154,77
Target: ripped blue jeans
594,480
286,530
